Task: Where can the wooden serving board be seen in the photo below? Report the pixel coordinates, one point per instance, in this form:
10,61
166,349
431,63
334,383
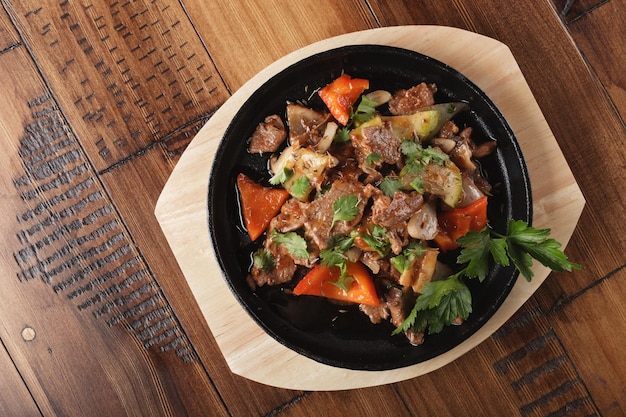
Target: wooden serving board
182,207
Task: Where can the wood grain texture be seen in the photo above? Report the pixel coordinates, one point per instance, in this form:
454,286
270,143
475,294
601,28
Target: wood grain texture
15,400
72,306
136,75
597,308
279,28
557,203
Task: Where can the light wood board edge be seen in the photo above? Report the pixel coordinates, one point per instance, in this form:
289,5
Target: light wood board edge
182,214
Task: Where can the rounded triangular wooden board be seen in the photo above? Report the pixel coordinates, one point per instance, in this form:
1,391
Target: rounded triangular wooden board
182,213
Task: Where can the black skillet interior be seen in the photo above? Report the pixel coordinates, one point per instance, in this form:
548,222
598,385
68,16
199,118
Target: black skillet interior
338,335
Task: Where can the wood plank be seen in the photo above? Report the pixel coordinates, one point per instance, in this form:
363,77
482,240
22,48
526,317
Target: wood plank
379,401
280,26
591,328
596,310
604,50
15,399
585,311
136,74
9,38
474,385
110,36
71,268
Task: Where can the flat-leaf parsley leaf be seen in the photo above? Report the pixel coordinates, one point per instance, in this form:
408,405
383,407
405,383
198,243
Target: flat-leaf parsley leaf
293,242
345,208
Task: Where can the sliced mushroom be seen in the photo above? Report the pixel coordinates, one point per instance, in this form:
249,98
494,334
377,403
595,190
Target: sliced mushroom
445,144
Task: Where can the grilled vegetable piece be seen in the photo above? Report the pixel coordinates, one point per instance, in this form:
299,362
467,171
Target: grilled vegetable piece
421,270
341,94
322,281
458,222
259,204
425,123
300,170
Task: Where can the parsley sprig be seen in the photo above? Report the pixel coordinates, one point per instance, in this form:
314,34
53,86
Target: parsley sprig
410,253
443,302
345,208
377,239
263,260
293,242
364,111
334,256
416,158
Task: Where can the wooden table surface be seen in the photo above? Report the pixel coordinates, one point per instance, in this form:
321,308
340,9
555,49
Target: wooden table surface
100,99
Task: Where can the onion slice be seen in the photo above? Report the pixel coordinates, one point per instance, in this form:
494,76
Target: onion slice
423,224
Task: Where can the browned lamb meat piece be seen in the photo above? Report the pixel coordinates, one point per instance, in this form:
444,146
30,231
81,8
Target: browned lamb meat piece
282,272
389,212
377,314
398,302
290,218
394,214
268,135
319,213
378,140
411,100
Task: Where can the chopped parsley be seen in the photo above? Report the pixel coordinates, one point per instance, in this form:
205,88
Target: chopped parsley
410,253
373,158
345,208
263,260
364,111
293,242
389,185
281,176
417,156
377,240
342,135
300,187
334,256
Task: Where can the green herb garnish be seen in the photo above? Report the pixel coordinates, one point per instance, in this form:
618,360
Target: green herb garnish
345,208
442,302
300,187
263,260
373,158
342,135
293,242
411,252
377,239
364,111
281,176
334,256
389,185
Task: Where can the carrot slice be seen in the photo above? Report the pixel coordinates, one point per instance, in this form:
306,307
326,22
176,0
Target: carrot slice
320,282
458,222
341,94
259,204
